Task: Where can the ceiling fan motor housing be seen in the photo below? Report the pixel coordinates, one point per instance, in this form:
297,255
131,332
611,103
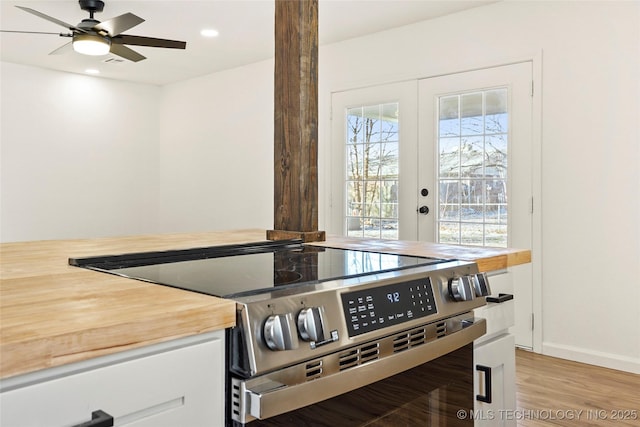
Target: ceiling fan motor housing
88,23
92,6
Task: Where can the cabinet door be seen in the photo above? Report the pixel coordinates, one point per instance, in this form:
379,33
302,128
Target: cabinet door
495,382
179,387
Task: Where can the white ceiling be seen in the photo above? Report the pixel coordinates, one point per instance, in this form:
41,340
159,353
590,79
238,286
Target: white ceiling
245,26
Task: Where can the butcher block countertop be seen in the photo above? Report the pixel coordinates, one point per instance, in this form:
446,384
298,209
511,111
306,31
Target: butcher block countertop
52,314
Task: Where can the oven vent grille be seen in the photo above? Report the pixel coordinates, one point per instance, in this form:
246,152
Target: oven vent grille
235,400
358,356
409,339
313,370
441,329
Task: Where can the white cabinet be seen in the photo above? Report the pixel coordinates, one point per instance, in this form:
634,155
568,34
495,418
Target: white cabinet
495,361
178,383
494,382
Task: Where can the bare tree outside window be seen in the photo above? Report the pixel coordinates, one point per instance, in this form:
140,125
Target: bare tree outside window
372,146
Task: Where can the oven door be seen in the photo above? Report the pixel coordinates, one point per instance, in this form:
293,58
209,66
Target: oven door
436,393
428,384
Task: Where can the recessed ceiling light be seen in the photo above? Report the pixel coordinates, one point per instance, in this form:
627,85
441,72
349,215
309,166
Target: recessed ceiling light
92,71
209,33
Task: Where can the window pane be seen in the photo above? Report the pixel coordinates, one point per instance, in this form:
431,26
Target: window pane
472,234
450,192
471,156
496,111
449,117
355,132
449,232
496,191
471,212
354,198
496,235
371,185
389,229
449,149
389,160
355,230
496,213
472,121
496,156
473,168
372,125
355,154
389,123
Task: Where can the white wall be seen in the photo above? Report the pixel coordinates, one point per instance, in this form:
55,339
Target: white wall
216,151
89,157
78,155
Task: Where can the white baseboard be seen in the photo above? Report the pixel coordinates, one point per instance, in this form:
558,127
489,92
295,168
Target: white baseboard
591,357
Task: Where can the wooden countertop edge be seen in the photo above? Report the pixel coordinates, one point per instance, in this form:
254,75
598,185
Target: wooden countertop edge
40,352
30,270
488,259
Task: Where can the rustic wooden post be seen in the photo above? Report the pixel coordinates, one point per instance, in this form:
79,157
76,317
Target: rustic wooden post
296,122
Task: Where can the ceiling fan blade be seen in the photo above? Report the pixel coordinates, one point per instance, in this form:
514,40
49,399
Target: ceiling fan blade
126,53
148,41
119,24
51,19
31,32
65,48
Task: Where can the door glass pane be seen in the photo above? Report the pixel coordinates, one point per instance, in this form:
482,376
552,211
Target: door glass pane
472,165
372,144
449,149
449,116
472,120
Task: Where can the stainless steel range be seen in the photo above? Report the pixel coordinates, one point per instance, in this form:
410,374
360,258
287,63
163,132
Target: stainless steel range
316,325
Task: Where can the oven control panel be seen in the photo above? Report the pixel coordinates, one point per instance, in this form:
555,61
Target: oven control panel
376,308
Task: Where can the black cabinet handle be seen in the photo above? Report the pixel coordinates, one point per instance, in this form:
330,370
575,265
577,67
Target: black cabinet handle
99,418
500,298
487,384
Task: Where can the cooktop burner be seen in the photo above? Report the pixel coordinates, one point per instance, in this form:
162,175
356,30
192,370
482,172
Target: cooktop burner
246,269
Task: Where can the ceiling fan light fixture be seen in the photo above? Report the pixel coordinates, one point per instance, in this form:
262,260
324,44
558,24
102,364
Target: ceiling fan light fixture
91,44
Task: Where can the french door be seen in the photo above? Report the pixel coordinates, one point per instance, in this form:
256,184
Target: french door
373,185
475,161
444,159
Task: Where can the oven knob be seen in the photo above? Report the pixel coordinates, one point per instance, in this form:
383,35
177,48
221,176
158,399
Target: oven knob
278,332
310,324
481,285
461,288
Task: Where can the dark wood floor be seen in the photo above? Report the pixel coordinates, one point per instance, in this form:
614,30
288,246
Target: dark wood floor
557,392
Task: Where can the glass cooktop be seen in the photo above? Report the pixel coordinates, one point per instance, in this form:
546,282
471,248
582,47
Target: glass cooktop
235,270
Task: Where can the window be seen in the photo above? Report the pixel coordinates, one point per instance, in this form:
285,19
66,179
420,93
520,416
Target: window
372,171
472,168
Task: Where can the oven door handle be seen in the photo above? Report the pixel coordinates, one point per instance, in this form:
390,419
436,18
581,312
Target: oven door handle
272,398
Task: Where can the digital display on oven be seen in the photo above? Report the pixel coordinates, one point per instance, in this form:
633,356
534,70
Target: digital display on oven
376,308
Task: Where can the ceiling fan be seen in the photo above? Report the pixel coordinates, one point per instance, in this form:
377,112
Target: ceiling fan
92,37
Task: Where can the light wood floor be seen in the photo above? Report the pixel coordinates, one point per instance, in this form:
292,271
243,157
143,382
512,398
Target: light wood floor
557,392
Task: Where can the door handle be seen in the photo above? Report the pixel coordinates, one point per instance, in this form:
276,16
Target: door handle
99,418
500,298
423,210
487,384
